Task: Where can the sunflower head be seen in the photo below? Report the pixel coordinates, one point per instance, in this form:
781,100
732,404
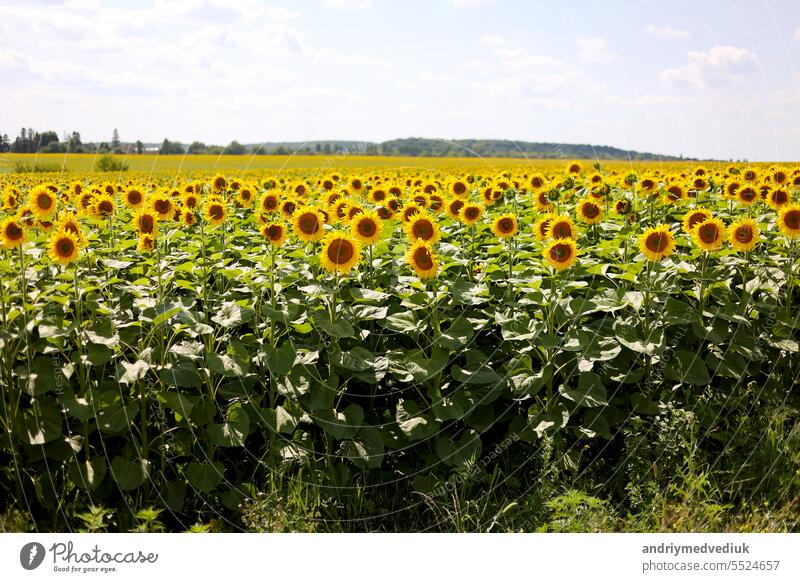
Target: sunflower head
307,224
453,207
657,243
744,234
590,211
144,221
133,198
42,202
747,195
471,213
422,226
63,247
422,259
219,183
103,206
561,253
12,233
778,197
622,206
146,244
215,211
340,252
710,234
542,226
366,227
789,220
695,217
505,226
562,227
163,206
275,233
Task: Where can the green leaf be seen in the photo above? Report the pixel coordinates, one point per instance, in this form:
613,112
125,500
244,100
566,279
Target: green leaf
366,451
340,328
40,377
358,359
205,477
129,475
423,368
227,366
552,419
87,474
40,424
234,431
590,391
686,367
280,360
232,315
461,453
183,374
457,335
476,373
341,425
134,372
414,424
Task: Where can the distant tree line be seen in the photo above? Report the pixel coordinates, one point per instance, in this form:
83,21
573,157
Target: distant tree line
30,141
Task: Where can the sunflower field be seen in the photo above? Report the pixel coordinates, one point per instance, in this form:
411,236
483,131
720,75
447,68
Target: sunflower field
532,347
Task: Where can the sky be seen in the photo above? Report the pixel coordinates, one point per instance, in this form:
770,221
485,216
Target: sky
702,78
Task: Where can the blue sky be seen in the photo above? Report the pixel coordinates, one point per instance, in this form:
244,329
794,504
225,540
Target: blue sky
704,78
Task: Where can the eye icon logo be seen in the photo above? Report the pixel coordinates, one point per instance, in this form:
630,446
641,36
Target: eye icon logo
31,555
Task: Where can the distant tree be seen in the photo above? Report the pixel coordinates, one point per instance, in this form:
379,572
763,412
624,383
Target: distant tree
318,147
46,138
259,150
169,147
103,147
197,147
139,147
281,151
235,148
326,148
115,140
5,144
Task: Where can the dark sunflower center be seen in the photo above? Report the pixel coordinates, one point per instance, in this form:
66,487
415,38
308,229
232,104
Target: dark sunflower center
13,231
743,234
562,230
657,242
340,251
105,208
65,247
378,195
423,259
274,232
146,224
471,213
459,188
708,233
216,212
456,206
696,218
780,197
591,210
309,224
366,227
384,213
134,197
505,225
747,194
422,229
44,201
289,207
162,206
560,253
356,184
537,182
792,219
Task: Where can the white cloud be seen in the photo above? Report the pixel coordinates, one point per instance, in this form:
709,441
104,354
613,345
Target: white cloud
667,32
719,65
492,40
594,50
471,3
348,4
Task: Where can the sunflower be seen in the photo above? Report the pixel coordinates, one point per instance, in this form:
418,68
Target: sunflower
146,243
377,196
68,222
288,207
789,220
63,247
12,233
537,182
163,206
561,253
133,198
144,221
410,211
188,217
543,203
366,227
219,183
589,211
542,226
710,234
458,188
657,243
622,206
275,233
356,184
648,185
422,259
103,206
778,198
471,213
674,194
42,202
453,207
215,211
750,175
747,195
245,197
562,227
340,252
505,226
269,203
422,226
573,168
695,217
731,189
435,203
307,223
744,234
